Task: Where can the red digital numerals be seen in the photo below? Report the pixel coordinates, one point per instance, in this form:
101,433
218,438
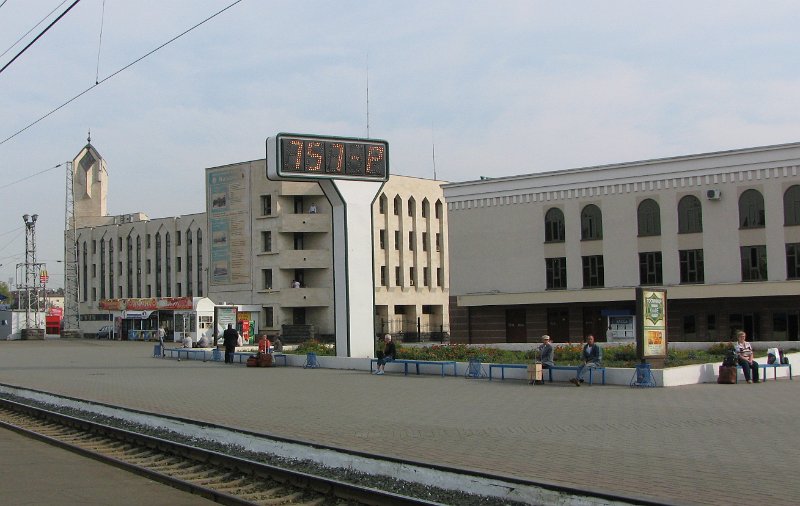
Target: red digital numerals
333,158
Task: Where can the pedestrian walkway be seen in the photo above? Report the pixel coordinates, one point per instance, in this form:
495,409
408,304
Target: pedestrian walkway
682,444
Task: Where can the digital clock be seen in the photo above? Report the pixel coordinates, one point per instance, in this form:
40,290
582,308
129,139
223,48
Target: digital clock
293,156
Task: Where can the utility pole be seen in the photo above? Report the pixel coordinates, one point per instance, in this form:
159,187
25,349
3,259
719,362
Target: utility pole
31,270
71,291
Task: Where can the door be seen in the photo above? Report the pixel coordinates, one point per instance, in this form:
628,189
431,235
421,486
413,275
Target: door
299,316
516,330
594,323
558,325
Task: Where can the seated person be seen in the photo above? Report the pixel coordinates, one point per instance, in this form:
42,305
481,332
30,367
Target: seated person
203,342
546,352
277,345
744,356
591,358
389,353
187,341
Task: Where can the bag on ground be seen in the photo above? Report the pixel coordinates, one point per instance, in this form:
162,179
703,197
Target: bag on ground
727,375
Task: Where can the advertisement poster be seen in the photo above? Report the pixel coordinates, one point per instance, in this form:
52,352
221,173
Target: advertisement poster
652,312
229,225
223,315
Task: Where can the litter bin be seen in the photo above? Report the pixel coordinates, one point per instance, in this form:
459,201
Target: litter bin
157,350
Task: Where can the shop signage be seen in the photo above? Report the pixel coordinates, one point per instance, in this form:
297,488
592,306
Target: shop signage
146,304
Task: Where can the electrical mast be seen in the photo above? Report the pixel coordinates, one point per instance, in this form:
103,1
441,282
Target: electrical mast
71,292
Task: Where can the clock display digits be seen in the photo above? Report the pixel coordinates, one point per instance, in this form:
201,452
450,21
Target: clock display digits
316,157
315,154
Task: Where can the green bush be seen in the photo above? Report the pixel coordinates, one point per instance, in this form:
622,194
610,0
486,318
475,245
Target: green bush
314,346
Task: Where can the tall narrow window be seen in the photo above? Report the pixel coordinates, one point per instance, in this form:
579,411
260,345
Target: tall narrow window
593,275
138,266
438,209
411,276
266,241
690,215
158,264
554,225
556,271
650,268
691,264
411,241
168,263
111,268
382,238
791,206
398,203
425,208
266,205
199,263
424,241
398,276
751,209
266,276
382,204
754,263
129,278
383,275
649,217
396,240
591,223
103,269
189,263
793,261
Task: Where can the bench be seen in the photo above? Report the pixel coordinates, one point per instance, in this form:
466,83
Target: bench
417,363
188,352
276,356
503,368
591,370
763,371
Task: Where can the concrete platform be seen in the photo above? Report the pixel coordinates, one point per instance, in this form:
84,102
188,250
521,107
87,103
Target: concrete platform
700,444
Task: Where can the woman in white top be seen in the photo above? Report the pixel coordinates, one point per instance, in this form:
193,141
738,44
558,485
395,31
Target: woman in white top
744,353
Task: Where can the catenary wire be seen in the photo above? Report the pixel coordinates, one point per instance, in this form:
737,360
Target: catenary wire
100,42
39,36
30,176
32,29
134,62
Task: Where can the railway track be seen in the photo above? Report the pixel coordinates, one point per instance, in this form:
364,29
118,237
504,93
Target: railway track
222,478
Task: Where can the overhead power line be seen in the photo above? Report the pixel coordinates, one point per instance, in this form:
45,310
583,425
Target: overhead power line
32,29
40,35
126,67
28,177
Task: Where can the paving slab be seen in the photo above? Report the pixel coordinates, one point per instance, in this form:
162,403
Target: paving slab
686,445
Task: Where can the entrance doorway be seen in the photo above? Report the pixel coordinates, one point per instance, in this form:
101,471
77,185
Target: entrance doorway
594,323
558,325
516,328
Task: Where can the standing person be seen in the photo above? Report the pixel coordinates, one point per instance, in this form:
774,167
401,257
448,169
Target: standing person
389,353
161,334
313,208
744,356
230,337
591,358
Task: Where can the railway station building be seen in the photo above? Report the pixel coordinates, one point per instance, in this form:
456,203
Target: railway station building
277,243
562,252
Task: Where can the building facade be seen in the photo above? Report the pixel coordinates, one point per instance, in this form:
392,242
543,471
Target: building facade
265,246
563,252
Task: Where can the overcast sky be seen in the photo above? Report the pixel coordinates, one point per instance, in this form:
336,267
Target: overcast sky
498,87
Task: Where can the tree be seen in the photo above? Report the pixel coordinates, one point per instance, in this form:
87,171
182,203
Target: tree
5,291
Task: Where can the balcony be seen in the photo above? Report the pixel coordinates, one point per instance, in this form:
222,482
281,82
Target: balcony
305,259
306,297
307,223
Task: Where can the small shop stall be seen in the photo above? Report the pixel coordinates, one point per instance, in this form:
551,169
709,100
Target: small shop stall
140,318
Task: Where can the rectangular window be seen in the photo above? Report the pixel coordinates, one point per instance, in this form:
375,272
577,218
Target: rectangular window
754,263
269,317
299,241
180,291
793,261
149,267
178,238
382,238
94,270
593,276
398,276
94,294
411,276
439,278
689,325
266,205
438,241
426,276
148,241
178,264
711,322
94,247
396,240
383,275
149,291
382,205
266,275
411,241
266,241
779,326
556,270
424,241
691,263
650,268
397,207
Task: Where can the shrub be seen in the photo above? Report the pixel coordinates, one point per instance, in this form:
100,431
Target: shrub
314,346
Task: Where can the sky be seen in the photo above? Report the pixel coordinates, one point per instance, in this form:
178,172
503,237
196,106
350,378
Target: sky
465,89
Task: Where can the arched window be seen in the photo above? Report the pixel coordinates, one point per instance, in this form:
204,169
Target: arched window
690,215
591,223
791,206
438,209
649,216
382,201
412,207
398,203
554,225
751,209
426,206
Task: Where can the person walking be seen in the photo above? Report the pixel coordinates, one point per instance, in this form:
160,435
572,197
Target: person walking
161,334
230,338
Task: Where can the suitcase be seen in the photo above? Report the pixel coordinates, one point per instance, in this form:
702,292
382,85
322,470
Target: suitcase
535,373
727,375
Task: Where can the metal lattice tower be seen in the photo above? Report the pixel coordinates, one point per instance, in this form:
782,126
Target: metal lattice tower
71,291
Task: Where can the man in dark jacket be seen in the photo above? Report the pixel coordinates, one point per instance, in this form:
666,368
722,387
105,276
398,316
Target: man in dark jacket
389,354
591,358
230,337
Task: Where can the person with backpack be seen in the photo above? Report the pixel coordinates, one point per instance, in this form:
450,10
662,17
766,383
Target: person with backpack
744,353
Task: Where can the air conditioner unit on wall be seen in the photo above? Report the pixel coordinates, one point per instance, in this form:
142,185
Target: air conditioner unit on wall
713,194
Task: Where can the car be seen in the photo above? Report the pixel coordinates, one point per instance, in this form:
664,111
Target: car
105,332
